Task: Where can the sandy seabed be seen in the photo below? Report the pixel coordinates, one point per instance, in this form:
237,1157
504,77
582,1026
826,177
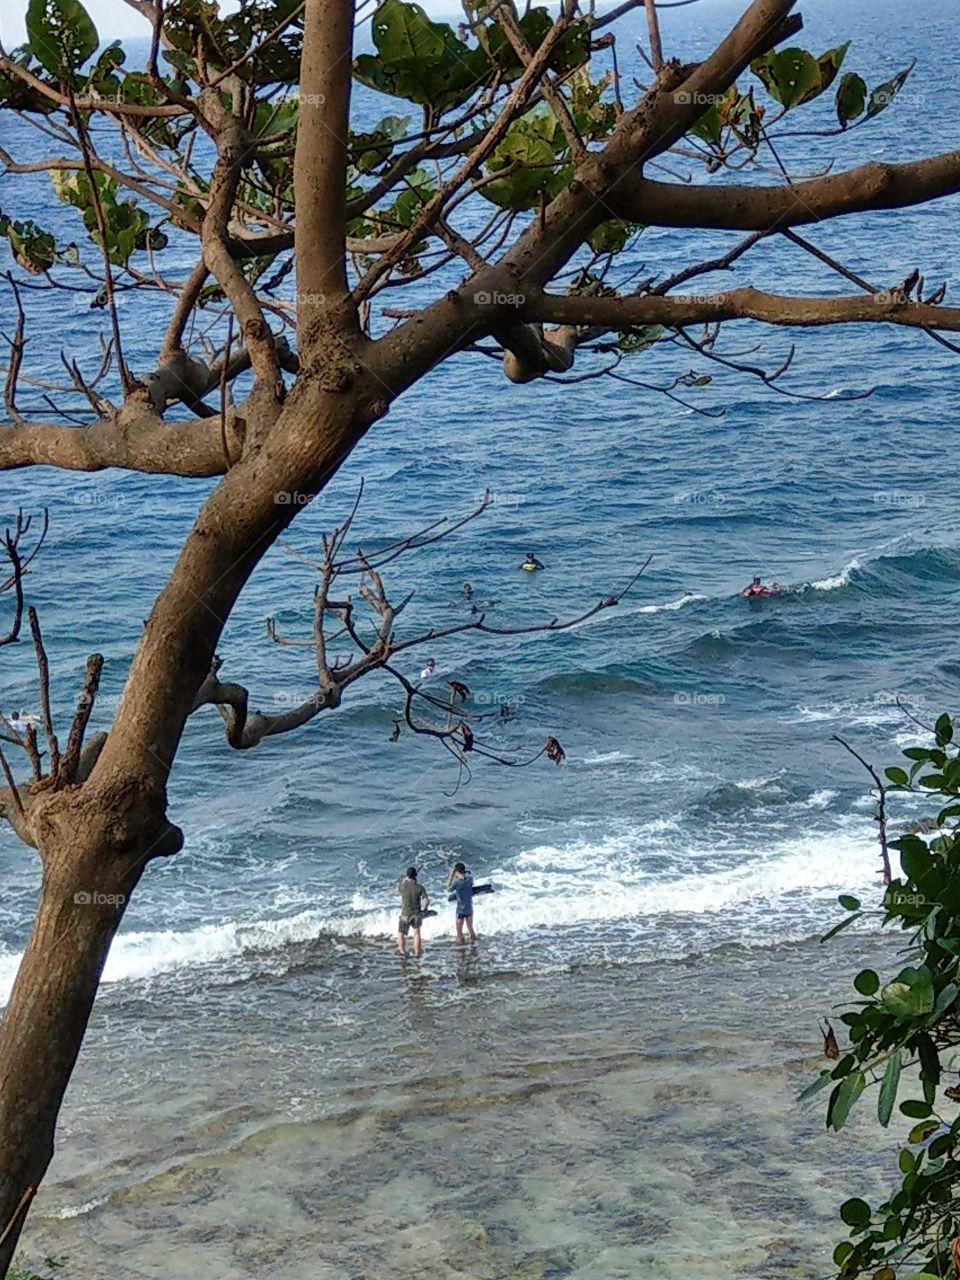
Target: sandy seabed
355,1116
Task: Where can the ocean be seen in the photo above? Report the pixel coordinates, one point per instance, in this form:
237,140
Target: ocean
605,1087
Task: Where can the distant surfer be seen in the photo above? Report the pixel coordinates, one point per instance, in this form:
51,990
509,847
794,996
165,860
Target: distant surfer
428,672
470,602
757,588
531,563
461,882
414,901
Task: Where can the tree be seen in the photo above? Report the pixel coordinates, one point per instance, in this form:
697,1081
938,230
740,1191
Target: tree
526,169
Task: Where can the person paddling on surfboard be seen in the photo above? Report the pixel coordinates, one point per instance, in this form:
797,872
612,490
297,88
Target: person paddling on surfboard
414,901
461,882
756,588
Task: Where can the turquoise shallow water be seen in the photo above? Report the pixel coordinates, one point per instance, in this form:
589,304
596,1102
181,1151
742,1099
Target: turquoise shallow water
702,807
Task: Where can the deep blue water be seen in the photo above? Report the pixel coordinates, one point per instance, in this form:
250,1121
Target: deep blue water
702,800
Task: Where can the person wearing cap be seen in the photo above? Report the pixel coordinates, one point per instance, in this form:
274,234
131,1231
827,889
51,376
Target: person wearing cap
414,901
460,881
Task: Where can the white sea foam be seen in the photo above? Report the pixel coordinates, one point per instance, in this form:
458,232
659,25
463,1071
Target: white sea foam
583,882
839,580
806,715
820,799
670,605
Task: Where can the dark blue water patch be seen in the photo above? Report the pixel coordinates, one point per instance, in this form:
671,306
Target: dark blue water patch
768,639
729,799
588,684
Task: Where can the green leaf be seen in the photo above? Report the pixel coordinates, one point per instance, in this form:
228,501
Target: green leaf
880,99
907,1161
929,1059
922,1131
851,98
611,236
793,76
420,60
844,924
843,1098
821,1082
33,248
867,982
897,776
640,339
946,998
944,726
916,1109
61,35
848,902
910,995
855,1213
888,1089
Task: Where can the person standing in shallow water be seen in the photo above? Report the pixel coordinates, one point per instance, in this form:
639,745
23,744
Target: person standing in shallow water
461,882
414,901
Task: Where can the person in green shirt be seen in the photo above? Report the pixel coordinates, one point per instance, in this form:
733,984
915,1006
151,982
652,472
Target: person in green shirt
414,901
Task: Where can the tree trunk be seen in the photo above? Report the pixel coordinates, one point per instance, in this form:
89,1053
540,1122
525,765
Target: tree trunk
94,840
92,849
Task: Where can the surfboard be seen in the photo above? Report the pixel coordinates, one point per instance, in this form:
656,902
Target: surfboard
477,888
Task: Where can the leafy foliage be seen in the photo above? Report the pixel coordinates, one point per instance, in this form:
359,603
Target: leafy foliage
62,36
427,63
793,76
908,1029
127,226
33,248
852,96
20,1270
530,157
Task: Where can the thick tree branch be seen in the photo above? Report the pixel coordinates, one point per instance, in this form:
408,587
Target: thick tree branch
876,185
138,439
887,307
320,162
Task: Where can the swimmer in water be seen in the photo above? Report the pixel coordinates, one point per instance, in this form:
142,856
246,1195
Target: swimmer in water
467,591
531,563
755,588
429,671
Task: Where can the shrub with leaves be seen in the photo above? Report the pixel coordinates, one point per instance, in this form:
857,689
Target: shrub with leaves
904,1037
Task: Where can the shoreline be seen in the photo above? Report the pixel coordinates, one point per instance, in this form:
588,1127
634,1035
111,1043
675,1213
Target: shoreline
605,1123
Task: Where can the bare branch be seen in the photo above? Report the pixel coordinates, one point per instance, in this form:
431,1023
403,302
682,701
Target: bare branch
881,816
